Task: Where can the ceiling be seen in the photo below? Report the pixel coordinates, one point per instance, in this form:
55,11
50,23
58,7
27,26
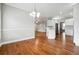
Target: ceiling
45,9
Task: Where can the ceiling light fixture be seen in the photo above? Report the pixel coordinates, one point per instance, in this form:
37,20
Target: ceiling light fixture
34,13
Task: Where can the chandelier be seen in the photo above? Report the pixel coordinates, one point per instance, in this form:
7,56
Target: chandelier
34,13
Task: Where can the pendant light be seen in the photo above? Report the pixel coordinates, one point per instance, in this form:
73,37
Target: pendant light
34,13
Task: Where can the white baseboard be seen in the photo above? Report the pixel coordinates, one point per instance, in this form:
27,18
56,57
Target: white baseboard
8,42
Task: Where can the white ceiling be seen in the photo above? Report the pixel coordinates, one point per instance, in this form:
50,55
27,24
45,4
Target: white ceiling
46,9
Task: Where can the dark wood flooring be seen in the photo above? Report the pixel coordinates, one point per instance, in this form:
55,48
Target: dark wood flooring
41,46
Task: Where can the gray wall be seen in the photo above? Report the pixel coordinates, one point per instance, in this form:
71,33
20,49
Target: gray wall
17,24
76,24
0,22
41,26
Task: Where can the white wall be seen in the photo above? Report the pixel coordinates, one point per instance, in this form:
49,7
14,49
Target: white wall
17,24
69,21
76,24
0,22
69,26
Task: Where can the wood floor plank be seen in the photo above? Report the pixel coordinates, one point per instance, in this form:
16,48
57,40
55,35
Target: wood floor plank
41,46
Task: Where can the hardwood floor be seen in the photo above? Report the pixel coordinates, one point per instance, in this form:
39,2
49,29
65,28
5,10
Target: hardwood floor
41,46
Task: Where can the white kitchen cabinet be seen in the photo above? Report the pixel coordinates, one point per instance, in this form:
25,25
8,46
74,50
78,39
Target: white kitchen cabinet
50,30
